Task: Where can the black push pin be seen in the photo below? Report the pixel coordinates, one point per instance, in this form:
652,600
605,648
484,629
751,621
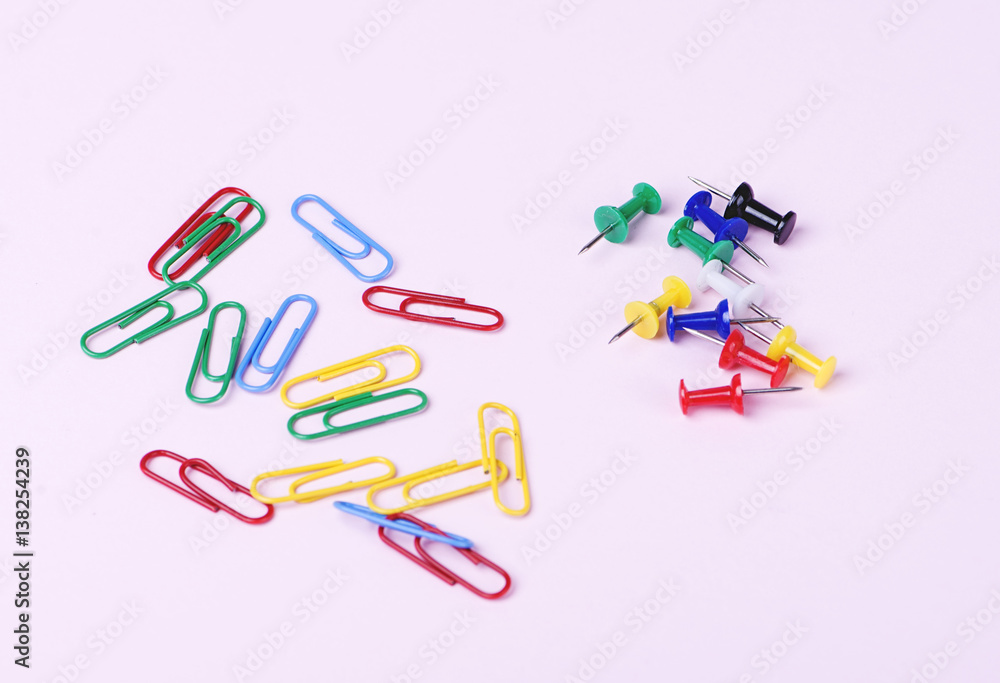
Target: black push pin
743,205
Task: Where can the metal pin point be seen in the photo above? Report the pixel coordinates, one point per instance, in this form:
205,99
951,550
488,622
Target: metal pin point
625,329
748,251
714,190
771,390
597,239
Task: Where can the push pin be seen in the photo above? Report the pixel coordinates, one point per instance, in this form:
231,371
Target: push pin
743,298
736,352
731,395
683,233
717,320
743,205
699,207
645,318
784,344
612,223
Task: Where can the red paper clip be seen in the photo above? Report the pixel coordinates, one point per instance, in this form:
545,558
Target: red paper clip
193,492
411,298
196,220
433,566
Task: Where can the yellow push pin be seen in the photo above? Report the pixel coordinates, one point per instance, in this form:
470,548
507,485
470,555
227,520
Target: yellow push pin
645,318
784,344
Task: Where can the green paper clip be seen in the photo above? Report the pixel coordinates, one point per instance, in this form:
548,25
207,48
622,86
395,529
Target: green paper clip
128,317
201,355
356,401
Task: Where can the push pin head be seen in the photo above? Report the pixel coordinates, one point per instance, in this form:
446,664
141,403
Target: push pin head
731,395
717,320
682,233
743,205
784,344
645,318
612,222
699,207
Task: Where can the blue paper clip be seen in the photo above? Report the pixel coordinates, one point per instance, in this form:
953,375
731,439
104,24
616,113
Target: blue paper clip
345,256
264,335
401,525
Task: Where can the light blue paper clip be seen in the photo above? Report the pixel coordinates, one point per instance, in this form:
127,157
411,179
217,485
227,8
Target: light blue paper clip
345,256
401,525
264,335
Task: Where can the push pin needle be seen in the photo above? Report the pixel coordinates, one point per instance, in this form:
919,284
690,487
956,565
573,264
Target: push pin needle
714,190
597,239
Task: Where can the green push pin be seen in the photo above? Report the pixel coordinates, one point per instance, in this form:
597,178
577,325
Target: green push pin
612,223
683,233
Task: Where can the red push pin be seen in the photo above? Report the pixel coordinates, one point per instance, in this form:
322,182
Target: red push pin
731,395
736,352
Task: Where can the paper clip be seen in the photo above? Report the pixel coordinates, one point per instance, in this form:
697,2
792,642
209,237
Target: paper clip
318,471
332,409
346,367
233,239
196,220
252,356
489,447
437,471
201,355
403,525
433,566
414,298
128,317
340,253
193,492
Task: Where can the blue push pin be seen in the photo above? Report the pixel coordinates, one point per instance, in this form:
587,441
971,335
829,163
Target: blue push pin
732,229
717,320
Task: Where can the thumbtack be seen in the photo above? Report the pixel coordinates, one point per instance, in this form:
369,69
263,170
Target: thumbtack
645,318
784,344
731,395
743,298
612,223
736,352
699,207
717,320
683,233
743,205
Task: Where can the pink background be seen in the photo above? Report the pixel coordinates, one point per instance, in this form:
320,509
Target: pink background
818,105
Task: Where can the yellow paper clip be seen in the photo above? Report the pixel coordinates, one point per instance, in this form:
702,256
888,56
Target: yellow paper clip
346,367
489,448
437,471
318,471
